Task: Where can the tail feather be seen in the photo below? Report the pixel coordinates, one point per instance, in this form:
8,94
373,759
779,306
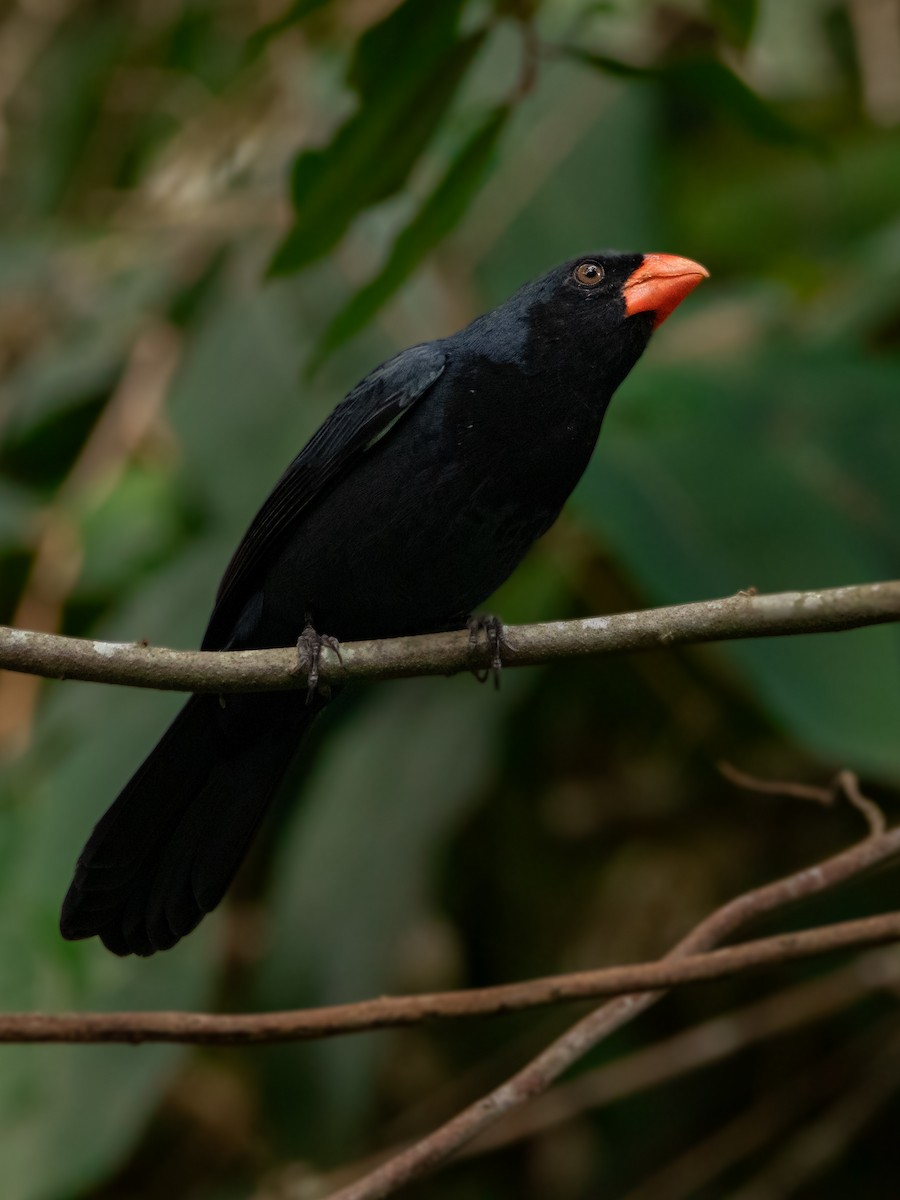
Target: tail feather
164,853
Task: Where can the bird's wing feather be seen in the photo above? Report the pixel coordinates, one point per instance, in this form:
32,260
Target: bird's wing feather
362,418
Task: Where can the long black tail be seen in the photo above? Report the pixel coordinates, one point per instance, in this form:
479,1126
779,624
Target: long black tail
166,850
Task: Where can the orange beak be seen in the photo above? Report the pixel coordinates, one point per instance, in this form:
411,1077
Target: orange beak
660,284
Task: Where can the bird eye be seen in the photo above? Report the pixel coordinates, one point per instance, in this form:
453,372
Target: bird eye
589,273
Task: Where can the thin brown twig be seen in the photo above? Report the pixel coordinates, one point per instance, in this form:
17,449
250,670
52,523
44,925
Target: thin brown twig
740,616
390,1012
702,1045
711,1041
426,1155
776,787
845,783
849,785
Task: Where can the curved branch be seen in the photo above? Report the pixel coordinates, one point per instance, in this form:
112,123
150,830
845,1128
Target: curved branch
390,1012
742,616
428,1154
695,960
712,1040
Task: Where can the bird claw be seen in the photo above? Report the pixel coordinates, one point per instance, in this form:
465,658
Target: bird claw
495,633
309,655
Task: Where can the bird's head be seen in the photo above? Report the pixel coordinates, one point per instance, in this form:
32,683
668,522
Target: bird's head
603,292
614,298
595,313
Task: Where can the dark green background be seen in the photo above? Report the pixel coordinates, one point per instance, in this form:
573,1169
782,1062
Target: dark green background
269,207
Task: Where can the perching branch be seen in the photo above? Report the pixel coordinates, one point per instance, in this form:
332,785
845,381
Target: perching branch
633,988
741,616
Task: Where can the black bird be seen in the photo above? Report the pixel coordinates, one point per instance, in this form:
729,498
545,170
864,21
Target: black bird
411,504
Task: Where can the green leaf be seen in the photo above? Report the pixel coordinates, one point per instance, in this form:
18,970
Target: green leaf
712,84
372,154
412,38
608,65
778,473
735,18
438,216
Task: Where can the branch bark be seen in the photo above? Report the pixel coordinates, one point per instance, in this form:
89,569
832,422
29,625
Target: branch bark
427,1155
742,616
711,1041
390,1012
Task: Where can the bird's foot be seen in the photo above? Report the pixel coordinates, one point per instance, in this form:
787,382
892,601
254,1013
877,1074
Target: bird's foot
495,633
309,655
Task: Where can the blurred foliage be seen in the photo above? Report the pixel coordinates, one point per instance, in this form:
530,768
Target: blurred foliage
203,199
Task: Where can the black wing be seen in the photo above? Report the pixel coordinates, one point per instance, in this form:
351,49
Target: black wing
362,418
